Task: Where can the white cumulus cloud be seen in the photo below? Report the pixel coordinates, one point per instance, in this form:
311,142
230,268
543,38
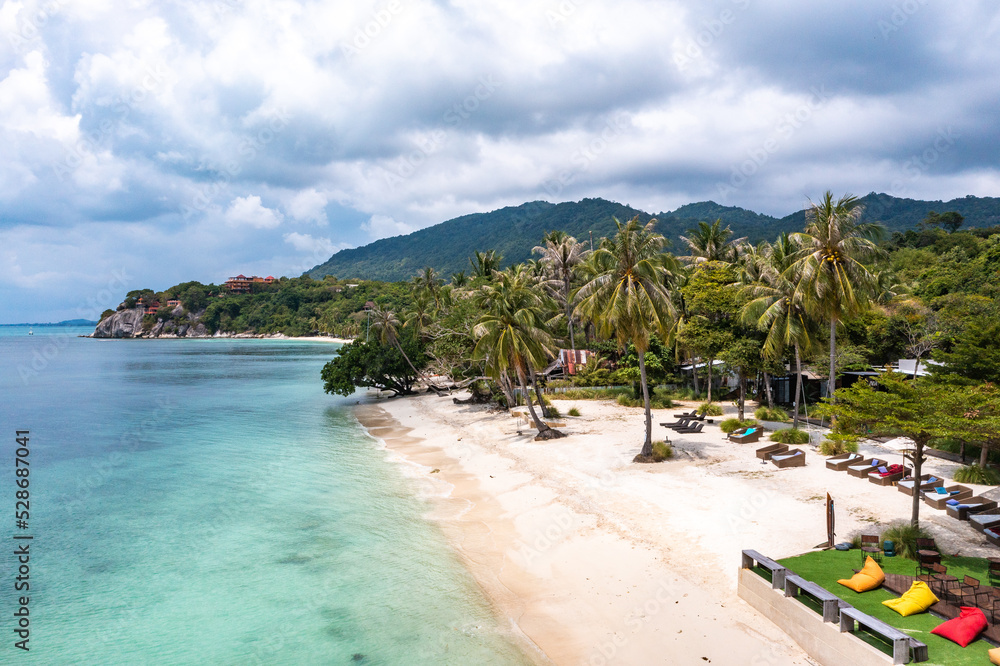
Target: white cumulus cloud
248,211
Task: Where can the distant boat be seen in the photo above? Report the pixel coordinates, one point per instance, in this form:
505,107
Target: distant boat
29,332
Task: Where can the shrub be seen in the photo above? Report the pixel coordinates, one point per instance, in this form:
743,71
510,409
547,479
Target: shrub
710,409
837,443
553,411
904,537
768,414
662,451
975,474
573,411
655,401
791,436
732,425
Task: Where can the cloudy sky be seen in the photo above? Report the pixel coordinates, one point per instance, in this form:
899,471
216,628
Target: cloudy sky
147,143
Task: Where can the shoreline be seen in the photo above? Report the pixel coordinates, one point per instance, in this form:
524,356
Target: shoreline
230,336
576,560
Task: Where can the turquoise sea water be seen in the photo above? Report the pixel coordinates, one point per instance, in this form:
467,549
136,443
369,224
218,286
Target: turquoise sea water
204,502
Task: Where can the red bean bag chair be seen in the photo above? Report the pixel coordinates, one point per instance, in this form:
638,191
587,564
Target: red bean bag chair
963,629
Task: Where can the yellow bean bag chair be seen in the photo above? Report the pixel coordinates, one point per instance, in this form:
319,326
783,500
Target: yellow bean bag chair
994,656
870,577
915,600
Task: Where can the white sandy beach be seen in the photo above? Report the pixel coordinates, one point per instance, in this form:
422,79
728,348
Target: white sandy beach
597,560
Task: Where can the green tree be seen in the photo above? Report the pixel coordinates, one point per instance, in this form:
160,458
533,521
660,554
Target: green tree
898,406
949,221
774,305
974,355
561,255
386,325
744,356
369,364
831,275
628,298
710,242
485,264
511,334
428,284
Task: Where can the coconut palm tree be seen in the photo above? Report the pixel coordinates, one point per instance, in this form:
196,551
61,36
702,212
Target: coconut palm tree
485,264
428,283
511,334
386,325
561,255
832,278
774,305
710,242
459,279
628,296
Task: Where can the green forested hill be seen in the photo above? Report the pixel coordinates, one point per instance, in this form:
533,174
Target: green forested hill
513,231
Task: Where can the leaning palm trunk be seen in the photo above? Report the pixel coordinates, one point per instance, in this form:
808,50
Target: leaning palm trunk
798,386
647,446
507,392
527,399
546,414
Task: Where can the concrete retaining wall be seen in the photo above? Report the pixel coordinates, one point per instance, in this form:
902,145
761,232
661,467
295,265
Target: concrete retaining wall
821,640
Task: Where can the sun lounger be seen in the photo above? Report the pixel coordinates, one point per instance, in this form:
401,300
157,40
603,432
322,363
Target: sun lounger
686,415
751,435
685,423
843,461
938,497
692,430
887,475
926,481
992,535
765,453
790,458
962,509
681,422
984,519
861,470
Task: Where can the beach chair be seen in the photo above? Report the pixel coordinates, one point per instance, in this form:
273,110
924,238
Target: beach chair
983,519
926,481
690,430
751,435
862,470
790,458
938,497
686,415
992,535
886,476
843,461
765,453
962,509
679,423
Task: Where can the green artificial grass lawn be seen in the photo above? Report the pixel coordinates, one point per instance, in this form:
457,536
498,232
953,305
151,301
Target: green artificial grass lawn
825,568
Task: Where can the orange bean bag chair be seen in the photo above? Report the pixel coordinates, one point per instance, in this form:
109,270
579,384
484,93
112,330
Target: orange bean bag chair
870,577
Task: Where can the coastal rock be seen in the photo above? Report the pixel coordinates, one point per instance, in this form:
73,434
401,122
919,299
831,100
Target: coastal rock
198,331
122,324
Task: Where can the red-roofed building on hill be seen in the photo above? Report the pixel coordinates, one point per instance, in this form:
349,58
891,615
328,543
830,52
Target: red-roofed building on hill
241,283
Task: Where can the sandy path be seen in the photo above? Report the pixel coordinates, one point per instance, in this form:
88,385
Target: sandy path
598,560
